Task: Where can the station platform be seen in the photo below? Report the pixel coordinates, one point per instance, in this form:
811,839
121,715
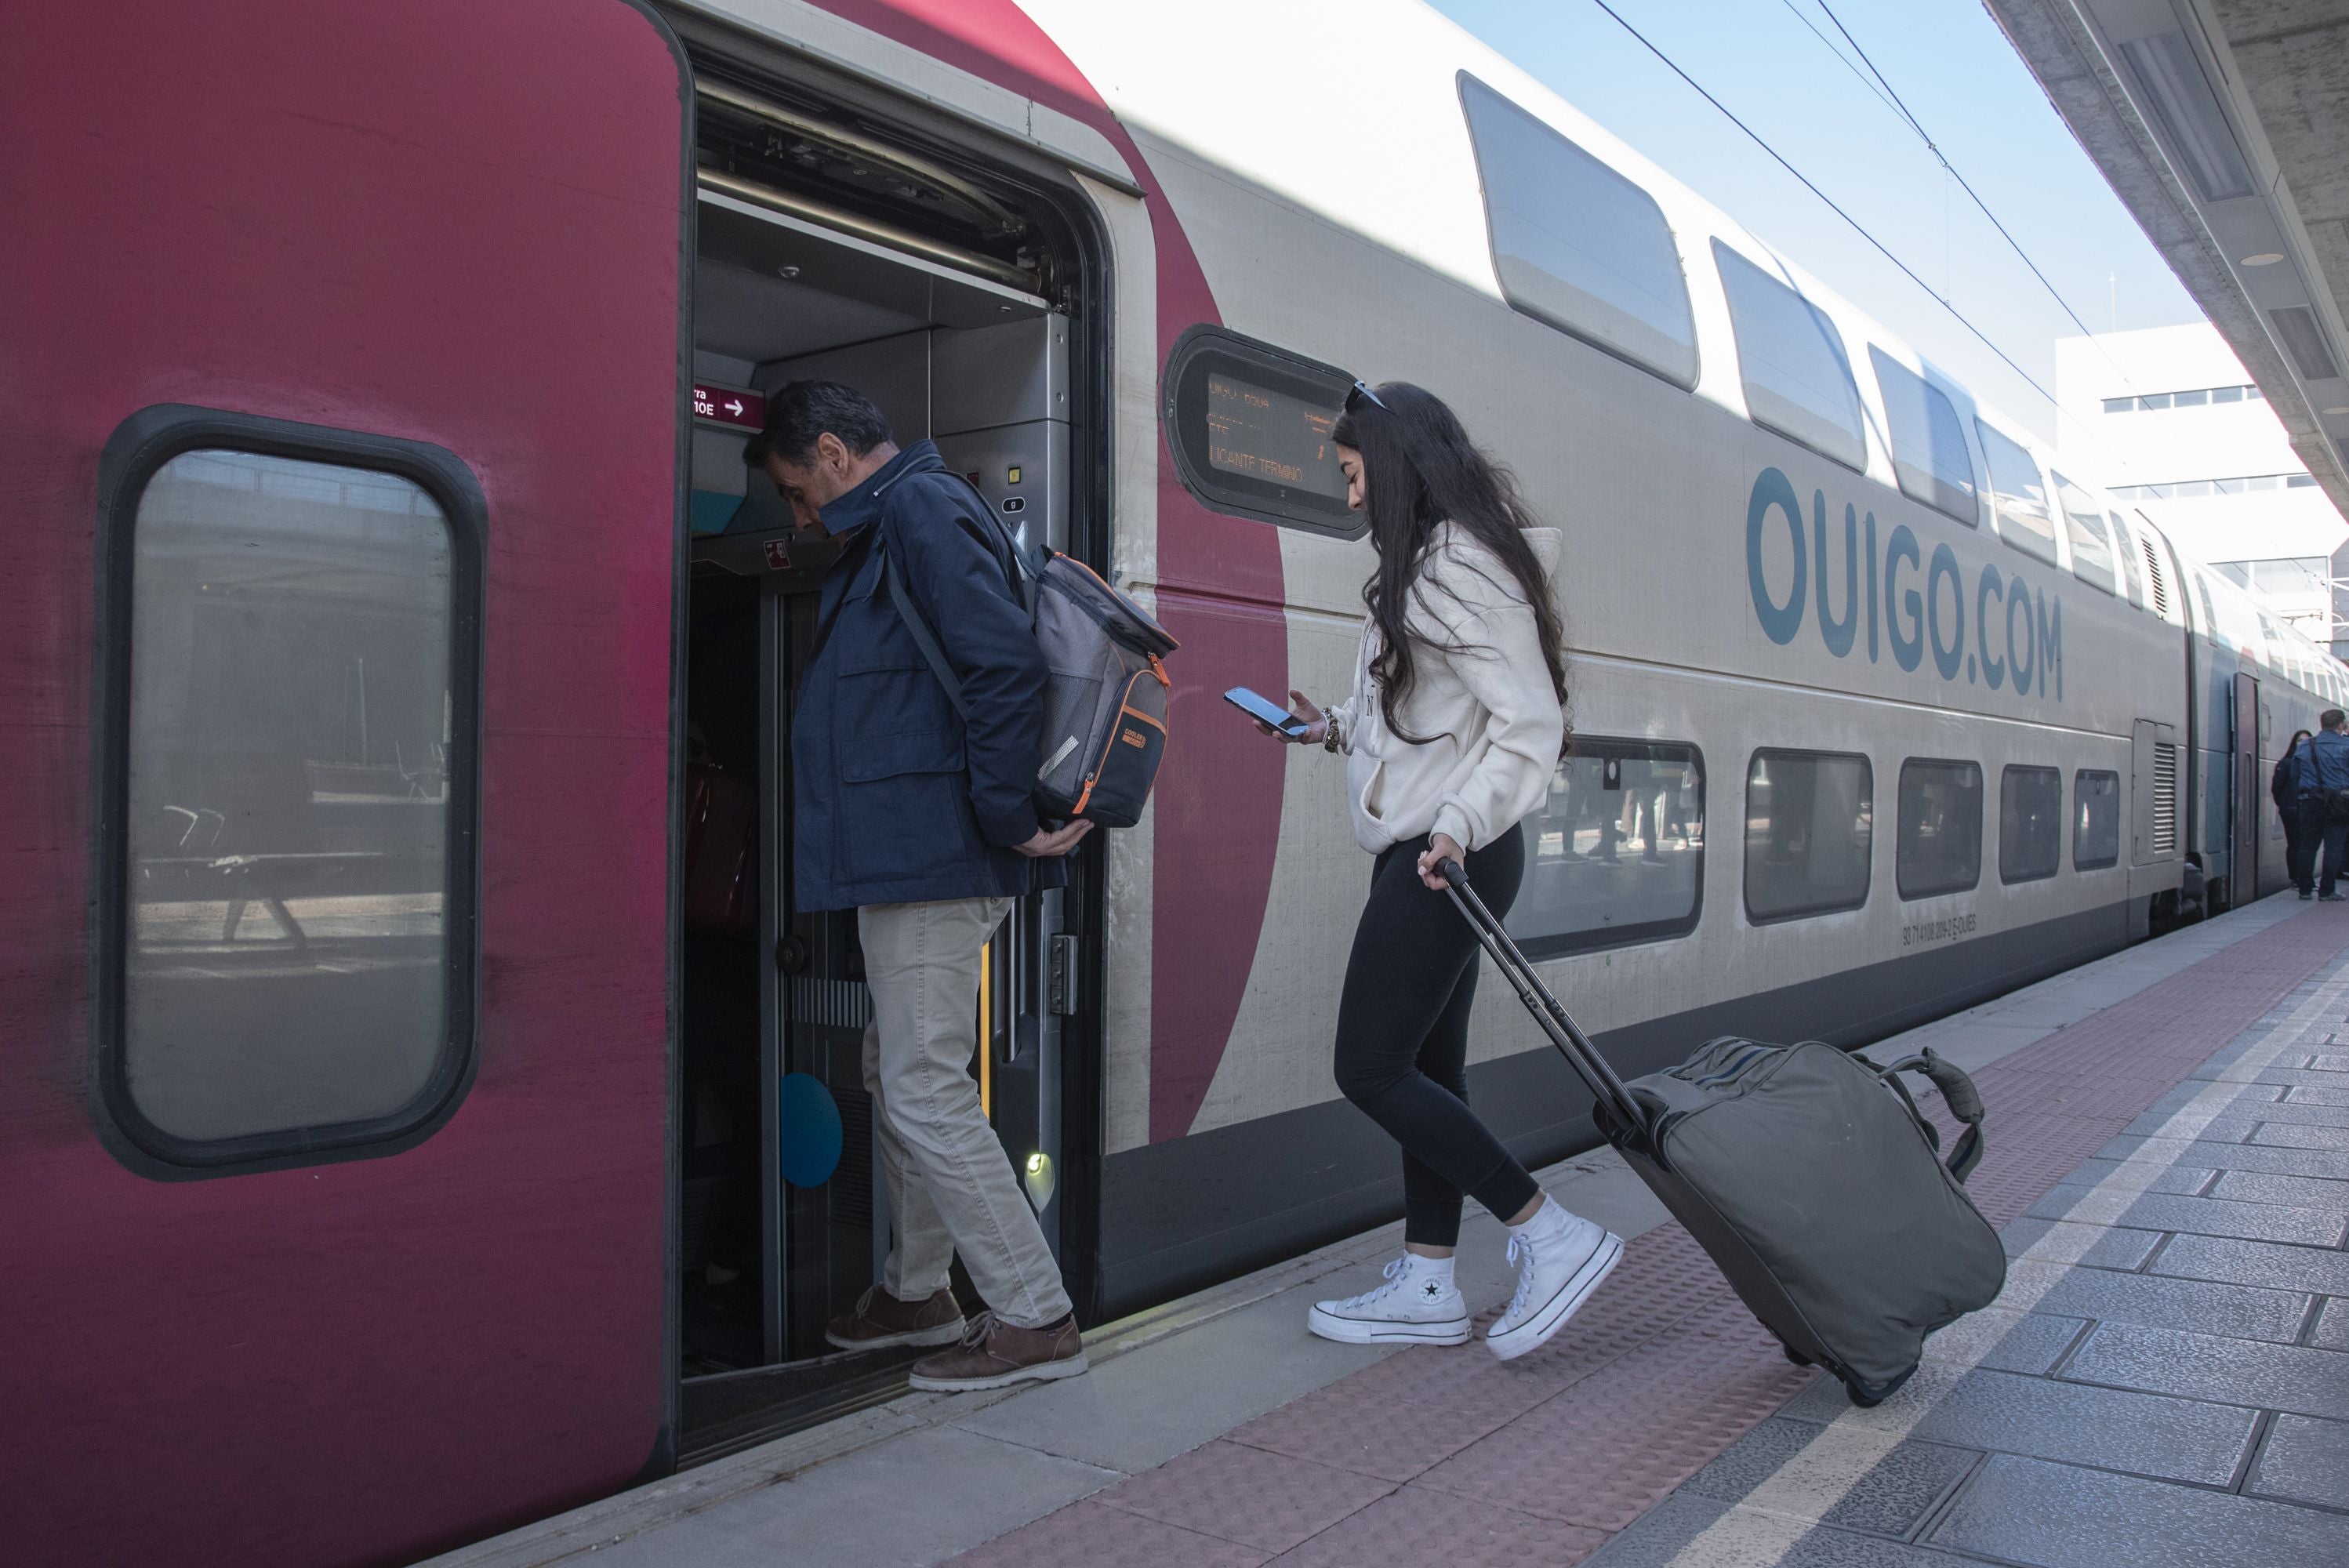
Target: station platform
2164,1379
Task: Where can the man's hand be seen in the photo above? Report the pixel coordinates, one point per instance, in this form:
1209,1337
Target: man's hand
1441,848
1059,842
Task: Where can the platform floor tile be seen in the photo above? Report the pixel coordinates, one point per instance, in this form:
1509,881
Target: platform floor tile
1893,1499
1088,1535
2061,1516
2209,1367
2305,1459
2270,1264
1418,1525
1248,1495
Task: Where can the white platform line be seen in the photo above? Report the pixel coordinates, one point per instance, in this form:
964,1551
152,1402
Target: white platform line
1759,1531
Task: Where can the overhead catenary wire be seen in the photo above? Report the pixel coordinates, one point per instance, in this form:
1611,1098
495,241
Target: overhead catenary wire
1832,205
1892,95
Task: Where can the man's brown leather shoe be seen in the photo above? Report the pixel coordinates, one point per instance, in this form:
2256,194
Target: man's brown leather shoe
882,1319
995,1355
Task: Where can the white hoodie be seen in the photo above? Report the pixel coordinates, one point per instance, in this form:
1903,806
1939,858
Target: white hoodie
1488,712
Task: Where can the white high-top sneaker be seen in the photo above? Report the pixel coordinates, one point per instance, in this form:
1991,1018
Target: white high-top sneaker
1560,1258
1418,1304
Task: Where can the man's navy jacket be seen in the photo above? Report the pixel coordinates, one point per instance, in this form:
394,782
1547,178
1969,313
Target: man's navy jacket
894,798
2321,763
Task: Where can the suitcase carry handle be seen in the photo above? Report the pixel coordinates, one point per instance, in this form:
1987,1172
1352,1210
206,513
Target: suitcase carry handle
1958,1092
1597,1073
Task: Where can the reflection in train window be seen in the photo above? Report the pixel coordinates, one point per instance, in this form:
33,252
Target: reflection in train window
1810,818
1797,380
1575,243
2019,494
1939,847
2030,823
2083,525
2096,820
1615,851
293,752
1929,444
2125,550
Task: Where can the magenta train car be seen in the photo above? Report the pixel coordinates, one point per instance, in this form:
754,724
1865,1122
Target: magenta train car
422,1108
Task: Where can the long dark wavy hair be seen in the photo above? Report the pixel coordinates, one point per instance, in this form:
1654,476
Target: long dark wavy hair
1420,469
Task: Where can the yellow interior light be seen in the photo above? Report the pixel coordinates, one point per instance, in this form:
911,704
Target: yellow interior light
1011,475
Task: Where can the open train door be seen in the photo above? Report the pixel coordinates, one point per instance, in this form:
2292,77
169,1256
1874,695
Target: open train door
2249,803
340,410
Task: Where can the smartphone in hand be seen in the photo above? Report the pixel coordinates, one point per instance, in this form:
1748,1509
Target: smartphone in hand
1265,711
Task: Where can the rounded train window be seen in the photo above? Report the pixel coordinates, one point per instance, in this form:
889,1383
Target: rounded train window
1249,426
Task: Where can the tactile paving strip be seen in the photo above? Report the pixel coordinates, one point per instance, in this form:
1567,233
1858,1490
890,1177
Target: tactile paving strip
1542,1458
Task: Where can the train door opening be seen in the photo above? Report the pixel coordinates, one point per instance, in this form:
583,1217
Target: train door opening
783,1222
2245,784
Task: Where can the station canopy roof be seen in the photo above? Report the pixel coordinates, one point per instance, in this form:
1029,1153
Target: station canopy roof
2224,127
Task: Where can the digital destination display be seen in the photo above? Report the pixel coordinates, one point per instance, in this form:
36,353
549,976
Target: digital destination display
1271,436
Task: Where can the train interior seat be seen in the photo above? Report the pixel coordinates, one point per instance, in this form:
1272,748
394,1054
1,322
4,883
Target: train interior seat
775,1237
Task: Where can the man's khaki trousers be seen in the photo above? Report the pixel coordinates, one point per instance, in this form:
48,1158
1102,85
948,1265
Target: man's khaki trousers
951,1188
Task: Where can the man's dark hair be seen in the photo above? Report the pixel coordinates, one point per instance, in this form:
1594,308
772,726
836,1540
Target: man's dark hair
800,411
2332,718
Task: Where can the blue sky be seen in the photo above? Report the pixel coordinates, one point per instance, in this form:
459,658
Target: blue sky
1950,63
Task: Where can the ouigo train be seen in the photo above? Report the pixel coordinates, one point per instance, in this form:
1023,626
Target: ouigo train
420,1108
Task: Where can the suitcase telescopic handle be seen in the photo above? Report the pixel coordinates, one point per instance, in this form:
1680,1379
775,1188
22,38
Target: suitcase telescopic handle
1598,1074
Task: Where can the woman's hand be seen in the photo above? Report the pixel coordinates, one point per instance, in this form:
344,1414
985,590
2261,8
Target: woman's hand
1441,847
1317,725
1048,843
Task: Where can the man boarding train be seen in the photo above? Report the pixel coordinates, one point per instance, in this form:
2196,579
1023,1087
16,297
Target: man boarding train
1452,732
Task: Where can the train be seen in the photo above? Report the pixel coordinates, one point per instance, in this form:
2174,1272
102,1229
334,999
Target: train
422,1109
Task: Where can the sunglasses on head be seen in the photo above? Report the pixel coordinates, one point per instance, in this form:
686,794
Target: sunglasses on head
1361,390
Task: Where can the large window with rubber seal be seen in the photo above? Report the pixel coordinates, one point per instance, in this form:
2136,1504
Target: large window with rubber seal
1940,826
1615,848
2096,820
1810,829
1928,442
1577,244
2019,494
1250,428
287,924
1790,357
2030,823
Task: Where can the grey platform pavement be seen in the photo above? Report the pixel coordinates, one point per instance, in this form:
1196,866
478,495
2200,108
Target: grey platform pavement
2168,1376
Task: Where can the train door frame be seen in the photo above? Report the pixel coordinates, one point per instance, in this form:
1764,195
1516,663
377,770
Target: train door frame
2242,776
1050,193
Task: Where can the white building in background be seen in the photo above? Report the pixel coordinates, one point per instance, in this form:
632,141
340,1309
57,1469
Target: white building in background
2166,419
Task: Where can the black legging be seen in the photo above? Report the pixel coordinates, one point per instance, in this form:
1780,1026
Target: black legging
1403,1037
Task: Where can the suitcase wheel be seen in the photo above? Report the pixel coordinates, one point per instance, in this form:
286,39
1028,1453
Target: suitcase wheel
1793,1354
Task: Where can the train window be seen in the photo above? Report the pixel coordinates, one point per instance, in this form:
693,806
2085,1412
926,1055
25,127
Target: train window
1940,849
2096,820
1810,820
2083,525
2030,823
1577,244
1798,379
1249,426
1615,851
1929,443
288,911
2019,494
2124,553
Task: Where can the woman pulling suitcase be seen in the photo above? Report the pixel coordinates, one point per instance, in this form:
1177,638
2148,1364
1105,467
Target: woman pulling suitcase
1450,736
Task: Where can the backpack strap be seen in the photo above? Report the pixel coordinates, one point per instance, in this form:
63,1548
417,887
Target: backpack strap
1021,573
1958,1092
924,639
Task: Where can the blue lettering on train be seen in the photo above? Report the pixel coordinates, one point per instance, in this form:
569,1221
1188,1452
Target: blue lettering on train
2005,633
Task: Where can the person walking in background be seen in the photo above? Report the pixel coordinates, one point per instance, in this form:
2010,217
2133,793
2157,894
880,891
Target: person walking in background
2283,789
2320,768
1450,736
930,851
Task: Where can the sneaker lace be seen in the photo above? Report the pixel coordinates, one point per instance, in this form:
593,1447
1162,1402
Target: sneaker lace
980,1328
1521,1243
1393,1272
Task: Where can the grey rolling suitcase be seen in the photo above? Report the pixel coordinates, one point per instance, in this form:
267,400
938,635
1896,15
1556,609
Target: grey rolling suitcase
1808,1175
